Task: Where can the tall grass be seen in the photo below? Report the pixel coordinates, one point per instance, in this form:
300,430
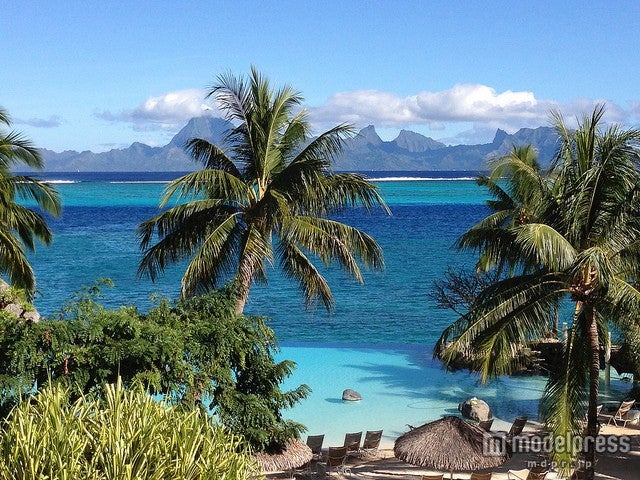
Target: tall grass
121,435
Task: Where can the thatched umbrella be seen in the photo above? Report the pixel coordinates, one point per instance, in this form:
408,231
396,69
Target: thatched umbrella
294,455
451,444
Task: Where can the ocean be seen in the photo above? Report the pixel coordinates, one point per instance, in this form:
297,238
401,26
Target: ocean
378,340
96,237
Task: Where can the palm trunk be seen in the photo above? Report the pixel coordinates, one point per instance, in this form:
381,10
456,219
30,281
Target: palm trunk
594,383
242,285
242,294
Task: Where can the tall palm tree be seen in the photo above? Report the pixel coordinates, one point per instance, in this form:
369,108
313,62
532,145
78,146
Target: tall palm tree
21,226
581,242
266,180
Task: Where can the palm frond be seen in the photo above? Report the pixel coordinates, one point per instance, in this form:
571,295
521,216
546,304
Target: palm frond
214,260
352,190
543,245
28,188
328,145
212,184
13,261
27,223
506,316
210,156
334,241
182,230
299,268
254,252
15,150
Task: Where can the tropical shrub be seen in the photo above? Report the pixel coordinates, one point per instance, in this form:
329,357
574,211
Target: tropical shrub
197,352
118,435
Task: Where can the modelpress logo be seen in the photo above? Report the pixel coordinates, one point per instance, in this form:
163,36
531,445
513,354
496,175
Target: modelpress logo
499,444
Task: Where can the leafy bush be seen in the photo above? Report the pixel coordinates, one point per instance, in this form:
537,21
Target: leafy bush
119,435
198,352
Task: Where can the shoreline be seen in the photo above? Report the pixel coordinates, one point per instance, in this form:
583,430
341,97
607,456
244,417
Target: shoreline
609,466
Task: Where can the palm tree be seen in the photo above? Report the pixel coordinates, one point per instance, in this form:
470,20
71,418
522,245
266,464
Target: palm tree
581,242
21,226
267,180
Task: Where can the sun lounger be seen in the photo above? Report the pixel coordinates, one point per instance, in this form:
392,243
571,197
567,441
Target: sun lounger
352,442
336,458
517,426
481,476
314,442
371,443
618,416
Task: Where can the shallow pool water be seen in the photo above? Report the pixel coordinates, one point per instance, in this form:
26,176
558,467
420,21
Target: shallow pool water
401,385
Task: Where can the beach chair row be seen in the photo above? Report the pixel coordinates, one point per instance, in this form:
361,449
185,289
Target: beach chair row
336,457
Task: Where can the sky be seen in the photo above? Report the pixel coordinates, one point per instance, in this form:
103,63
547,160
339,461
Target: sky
96,75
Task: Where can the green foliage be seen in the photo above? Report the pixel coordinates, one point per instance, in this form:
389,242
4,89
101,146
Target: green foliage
198,352
570,234
119,435
270,181
246,394
20,226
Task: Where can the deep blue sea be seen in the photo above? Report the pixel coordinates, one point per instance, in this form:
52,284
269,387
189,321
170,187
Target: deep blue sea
379,339
96,237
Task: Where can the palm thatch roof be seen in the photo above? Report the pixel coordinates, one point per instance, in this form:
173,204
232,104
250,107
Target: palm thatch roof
450,444
294,455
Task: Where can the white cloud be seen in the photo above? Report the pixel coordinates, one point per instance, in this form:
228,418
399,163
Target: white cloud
51,122
465,113
164,111
481,106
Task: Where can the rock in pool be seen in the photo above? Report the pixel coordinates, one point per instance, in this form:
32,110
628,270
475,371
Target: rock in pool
351,395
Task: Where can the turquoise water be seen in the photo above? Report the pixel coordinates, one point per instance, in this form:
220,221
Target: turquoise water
401,385
380,337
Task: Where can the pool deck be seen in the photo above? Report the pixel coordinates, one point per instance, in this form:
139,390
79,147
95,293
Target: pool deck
609,466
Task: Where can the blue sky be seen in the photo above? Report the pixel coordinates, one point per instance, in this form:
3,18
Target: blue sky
103,74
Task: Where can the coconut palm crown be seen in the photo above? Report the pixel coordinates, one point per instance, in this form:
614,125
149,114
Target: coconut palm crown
571,234
21,226
265,181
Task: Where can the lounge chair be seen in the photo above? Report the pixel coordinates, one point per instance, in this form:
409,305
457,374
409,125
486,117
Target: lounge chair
352,442
517,426
481,476
336,458
486,425
585,420
437,476
371,443
535,473
618,416
314,442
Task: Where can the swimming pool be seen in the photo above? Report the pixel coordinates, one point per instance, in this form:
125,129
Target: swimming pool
400,385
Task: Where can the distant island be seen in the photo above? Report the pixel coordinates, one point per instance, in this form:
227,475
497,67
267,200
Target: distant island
365,152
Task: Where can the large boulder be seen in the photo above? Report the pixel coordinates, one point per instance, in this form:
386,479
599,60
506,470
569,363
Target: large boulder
475,409
351,395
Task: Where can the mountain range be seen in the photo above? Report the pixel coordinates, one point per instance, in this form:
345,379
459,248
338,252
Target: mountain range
364,152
